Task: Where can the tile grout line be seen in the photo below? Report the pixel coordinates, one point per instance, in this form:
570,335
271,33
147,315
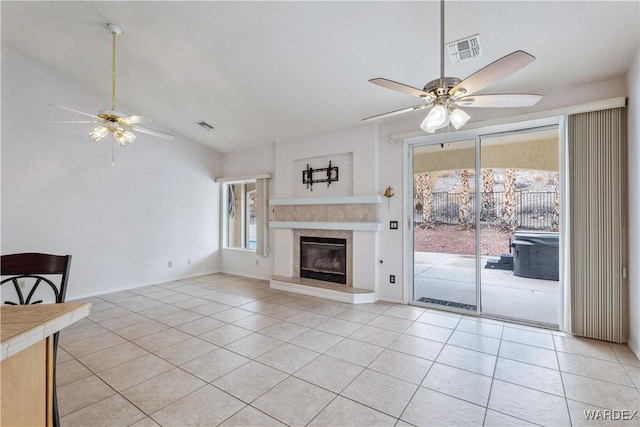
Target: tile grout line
254,294
493,376
427,373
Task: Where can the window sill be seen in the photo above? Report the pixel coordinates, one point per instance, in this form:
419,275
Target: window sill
240,250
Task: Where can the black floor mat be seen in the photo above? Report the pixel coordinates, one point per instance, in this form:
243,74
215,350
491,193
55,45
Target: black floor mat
448,303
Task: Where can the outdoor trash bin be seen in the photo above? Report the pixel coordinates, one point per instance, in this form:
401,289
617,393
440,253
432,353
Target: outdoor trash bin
535,255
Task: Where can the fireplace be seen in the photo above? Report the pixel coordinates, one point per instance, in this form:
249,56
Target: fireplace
323,258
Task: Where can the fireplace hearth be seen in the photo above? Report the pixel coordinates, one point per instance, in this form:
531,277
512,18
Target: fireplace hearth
323,258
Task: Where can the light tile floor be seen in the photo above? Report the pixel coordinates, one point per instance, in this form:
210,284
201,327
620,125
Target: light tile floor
226,350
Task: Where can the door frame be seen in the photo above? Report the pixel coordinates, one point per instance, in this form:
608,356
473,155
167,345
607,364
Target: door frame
477,134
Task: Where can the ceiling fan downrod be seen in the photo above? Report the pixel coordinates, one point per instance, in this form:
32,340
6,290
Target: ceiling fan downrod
115,31
441,42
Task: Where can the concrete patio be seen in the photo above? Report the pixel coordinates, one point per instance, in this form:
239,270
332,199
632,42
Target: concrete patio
451,277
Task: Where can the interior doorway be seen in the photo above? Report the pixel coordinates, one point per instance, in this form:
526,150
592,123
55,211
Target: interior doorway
486,218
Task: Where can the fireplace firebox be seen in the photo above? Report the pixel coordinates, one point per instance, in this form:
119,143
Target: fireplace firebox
323,258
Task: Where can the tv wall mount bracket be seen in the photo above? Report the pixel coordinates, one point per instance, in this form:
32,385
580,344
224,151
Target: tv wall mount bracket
328,175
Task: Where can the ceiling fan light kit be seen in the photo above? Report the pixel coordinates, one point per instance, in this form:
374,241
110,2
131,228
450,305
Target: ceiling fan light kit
458,118
111,121
122,136
447,94
437,118
98,133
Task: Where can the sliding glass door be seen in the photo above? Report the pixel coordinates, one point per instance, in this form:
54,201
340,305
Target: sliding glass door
444,236
519,222
486,213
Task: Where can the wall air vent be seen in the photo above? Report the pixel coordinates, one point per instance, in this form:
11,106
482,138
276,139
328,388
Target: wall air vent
461,50
204,125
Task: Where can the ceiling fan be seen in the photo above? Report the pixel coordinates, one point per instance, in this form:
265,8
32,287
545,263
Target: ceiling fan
447,94
122,127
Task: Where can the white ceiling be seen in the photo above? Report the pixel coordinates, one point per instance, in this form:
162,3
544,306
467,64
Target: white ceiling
267,71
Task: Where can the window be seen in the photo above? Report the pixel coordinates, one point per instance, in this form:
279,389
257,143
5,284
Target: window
241,215
244,212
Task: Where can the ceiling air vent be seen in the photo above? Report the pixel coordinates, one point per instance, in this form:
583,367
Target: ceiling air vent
204,125
464,49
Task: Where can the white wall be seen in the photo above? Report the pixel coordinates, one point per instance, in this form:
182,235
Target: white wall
122,223
392,244
258,160
633,113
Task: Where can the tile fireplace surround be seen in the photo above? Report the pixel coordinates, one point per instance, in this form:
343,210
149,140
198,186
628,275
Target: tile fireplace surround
352,218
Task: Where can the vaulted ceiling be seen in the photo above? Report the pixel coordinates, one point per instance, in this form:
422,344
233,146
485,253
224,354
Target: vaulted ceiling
266,71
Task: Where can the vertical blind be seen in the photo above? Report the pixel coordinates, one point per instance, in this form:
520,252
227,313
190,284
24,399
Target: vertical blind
597,143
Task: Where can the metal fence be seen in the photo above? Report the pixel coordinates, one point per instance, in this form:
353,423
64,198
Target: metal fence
534,210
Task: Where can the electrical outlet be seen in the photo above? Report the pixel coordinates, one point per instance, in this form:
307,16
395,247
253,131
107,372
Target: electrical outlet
170,264
392,278
257,262
189,261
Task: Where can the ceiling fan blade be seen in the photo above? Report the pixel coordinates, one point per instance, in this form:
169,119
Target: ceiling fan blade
400,87
493,72
79,112
74,121
133,120
504,100
396,112
152,132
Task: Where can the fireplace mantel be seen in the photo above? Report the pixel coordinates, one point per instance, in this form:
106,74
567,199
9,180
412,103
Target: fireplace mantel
346,200
314,225
355,213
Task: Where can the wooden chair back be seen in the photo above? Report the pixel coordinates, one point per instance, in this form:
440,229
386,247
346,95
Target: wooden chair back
29,271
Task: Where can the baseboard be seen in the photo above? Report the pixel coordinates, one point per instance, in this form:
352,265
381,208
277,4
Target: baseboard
248,276
391,300
634,348
140,285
